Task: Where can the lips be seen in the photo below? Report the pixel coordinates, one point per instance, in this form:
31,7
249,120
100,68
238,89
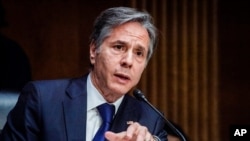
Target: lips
122,76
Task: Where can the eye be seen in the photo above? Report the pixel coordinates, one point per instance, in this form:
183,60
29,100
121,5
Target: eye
139,53
119,47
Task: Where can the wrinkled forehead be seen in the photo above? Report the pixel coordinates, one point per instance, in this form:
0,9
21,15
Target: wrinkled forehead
131,33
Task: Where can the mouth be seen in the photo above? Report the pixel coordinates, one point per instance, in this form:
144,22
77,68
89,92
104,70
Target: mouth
123,77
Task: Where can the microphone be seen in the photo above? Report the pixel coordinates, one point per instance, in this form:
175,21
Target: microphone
140,96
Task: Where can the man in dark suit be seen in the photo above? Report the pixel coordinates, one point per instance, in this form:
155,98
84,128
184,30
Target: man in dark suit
122,43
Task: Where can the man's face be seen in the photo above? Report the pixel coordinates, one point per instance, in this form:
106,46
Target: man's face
119,63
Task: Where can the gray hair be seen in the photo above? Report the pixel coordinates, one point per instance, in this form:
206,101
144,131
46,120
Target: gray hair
116,16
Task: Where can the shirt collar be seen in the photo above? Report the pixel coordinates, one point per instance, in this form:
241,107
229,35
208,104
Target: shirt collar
94,98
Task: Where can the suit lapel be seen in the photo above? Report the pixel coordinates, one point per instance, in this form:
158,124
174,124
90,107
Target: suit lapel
126,112
75,110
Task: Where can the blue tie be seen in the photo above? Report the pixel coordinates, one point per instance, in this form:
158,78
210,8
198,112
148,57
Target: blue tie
106,111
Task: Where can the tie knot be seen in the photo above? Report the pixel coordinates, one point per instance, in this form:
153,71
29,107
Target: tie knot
106,111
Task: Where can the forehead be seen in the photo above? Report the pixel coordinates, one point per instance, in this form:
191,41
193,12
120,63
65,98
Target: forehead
133,32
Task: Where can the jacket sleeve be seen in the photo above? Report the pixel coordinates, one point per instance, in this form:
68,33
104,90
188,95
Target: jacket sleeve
23,120
160,133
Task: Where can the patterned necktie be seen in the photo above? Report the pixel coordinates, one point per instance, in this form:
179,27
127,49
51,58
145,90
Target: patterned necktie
106,111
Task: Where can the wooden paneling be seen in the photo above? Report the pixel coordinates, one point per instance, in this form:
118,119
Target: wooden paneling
181,78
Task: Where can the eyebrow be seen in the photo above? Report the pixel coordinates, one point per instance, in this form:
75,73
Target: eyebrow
141,49
119,42
126,43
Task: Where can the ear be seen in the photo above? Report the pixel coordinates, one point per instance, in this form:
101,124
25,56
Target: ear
92,53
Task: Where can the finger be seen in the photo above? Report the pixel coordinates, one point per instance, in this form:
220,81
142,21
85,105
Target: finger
142,133
111,136
149,137
132,129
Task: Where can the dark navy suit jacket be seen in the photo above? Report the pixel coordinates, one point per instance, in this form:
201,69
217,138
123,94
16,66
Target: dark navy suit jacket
55,110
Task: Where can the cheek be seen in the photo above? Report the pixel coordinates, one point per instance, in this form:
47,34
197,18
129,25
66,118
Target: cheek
139,72
104,62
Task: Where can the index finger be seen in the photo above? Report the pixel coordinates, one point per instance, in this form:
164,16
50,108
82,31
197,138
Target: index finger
132,129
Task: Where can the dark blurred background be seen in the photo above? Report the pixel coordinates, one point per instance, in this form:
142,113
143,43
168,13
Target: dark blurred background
234,63
49,40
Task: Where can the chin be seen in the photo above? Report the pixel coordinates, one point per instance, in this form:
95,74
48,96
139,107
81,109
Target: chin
120,90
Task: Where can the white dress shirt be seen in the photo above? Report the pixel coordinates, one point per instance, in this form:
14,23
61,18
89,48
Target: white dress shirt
94,99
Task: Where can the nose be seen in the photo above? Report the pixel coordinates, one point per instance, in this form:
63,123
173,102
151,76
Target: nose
127,59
